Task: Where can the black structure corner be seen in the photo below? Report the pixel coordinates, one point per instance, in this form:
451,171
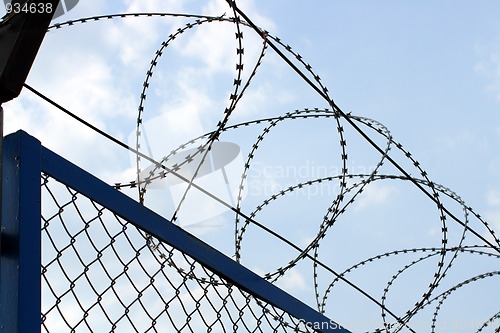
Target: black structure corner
21,35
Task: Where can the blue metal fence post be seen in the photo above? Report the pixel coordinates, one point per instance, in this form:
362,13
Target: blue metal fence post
20,278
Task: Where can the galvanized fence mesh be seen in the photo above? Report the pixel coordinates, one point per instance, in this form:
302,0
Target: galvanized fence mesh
102,274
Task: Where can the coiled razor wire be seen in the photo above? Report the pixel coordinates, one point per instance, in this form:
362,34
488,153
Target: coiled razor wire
350,187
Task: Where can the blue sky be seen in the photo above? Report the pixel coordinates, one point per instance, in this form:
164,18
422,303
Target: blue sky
428,71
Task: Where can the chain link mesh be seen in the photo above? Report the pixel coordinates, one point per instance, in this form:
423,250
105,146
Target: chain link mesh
102,274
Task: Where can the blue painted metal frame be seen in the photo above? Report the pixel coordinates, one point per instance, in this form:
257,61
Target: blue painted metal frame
22,188
20,276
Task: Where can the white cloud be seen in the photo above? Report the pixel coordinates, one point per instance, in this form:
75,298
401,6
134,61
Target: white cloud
493,215
170,6
493,197
135,39
83,83
293,280
261,99
213,45
489,65
457,140
493,218
374,195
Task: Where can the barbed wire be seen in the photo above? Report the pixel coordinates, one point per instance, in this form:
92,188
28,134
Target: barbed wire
350,185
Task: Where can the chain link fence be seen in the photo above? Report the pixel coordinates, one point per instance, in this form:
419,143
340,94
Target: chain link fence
102,274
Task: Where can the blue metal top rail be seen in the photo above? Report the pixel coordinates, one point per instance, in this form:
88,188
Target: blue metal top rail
24,161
